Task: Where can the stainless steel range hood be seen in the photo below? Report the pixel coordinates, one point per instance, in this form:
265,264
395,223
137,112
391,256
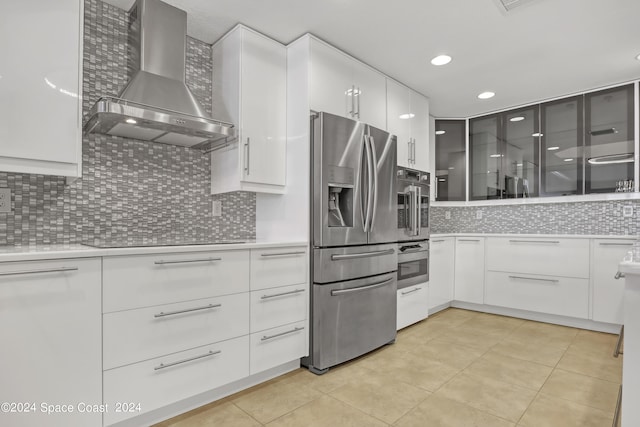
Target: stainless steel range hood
156,105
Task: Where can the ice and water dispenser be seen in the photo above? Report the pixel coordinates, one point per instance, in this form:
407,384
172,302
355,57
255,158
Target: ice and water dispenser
340,194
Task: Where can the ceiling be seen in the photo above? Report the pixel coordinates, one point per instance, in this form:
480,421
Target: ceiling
540,50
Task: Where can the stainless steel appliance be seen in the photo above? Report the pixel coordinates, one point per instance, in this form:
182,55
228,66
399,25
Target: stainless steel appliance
353,217
412,204
156,105
413,263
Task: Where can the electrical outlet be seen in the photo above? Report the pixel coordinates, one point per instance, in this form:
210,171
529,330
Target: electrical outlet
447,215
5,200
478,214
627,211
217,207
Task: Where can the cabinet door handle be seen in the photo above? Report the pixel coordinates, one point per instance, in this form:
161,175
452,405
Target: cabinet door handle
283,254
353,108
535,278
247,153
269,337
409,151
202,356
357,93
616,244
44,270
360,288
411,291
468,240
414,150
535,241
619,275
184,261
281,294
188,310
437,241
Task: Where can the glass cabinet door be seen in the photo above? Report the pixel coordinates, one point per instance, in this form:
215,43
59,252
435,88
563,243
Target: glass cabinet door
521,152
609,139
485,158
450,160
561,147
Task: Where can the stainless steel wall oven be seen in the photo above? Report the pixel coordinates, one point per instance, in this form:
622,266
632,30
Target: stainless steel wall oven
413,263
412,204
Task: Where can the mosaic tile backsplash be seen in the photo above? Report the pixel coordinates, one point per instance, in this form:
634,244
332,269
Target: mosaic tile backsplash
130,190
591,218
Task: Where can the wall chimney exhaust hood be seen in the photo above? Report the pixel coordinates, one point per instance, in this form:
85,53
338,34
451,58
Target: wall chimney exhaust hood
156,105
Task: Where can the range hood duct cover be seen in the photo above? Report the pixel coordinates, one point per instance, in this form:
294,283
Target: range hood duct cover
156,105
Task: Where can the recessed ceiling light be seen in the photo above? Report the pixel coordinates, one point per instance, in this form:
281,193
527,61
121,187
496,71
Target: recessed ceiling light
638,57
441,60
517,119
519,164
537,134
486,95
553,148
407,116
568,160
440,132
131,121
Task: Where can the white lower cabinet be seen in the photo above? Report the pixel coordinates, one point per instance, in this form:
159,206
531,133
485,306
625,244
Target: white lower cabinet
564,296
413,305
277,346
154,383
607,292
51,345
278,306
469,270
441,271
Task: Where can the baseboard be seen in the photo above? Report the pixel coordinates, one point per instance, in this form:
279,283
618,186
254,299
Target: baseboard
199,400
438,308
540,317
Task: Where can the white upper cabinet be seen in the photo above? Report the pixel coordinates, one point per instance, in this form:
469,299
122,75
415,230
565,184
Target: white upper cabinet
408,119
40,87
342,85
249,90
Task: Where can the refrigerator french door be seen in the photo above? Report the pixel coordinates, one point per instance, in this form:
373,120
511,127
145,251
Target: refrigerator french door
353,220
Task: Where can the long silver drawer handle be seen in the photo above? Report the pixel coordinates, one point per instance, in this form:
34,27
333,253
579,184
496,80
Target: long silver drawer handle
619,275
360,288
616,244
171,313
297,291
437,241
411,291
283,254
202,356
44,270
468,240
362,255
534,278
160,262
535,241
268,337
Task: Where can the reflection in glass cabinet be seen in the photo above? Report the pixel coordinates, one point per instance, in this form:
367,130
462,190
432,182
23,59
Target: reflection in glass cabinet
450,159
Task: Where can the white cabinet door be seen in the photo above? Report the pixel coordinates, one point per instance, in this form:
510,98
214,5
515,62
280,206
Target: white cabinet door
331,80
413,305
249,89
40,83
371,95
51,340
441,271
608,293
420,131
469,270
264,109
399,118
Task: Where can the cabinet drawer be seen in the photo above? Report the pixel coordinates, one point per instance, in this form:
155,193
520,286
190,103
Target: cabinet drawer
280,345
413,305
278,306
278,267
147,280
158,382
134,335
546,256
564,296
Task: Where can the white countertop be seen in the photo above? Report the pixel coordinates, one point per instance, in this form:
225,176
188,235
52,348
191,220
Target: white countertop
28,253
537,236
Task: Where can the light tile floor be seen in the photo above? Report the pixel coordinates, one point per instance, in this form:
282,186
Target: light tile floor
457,368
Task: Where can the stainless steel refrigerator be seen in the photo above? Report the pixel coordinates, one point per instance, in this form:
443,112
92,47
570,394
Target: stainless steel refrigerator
353,233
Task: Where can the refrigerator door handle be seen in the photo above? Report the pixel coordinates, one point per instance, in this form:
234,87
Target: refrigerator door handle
374,175
340,257
360,288
370,183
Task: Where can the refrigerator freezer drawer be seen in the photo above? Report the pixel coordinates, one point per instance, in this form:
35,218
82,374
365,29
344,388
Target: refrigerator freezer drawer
352,262
352,318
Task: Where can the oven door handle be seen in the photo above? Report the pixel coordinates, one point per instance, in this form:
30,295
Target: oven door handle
362,255
418,210
360,288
